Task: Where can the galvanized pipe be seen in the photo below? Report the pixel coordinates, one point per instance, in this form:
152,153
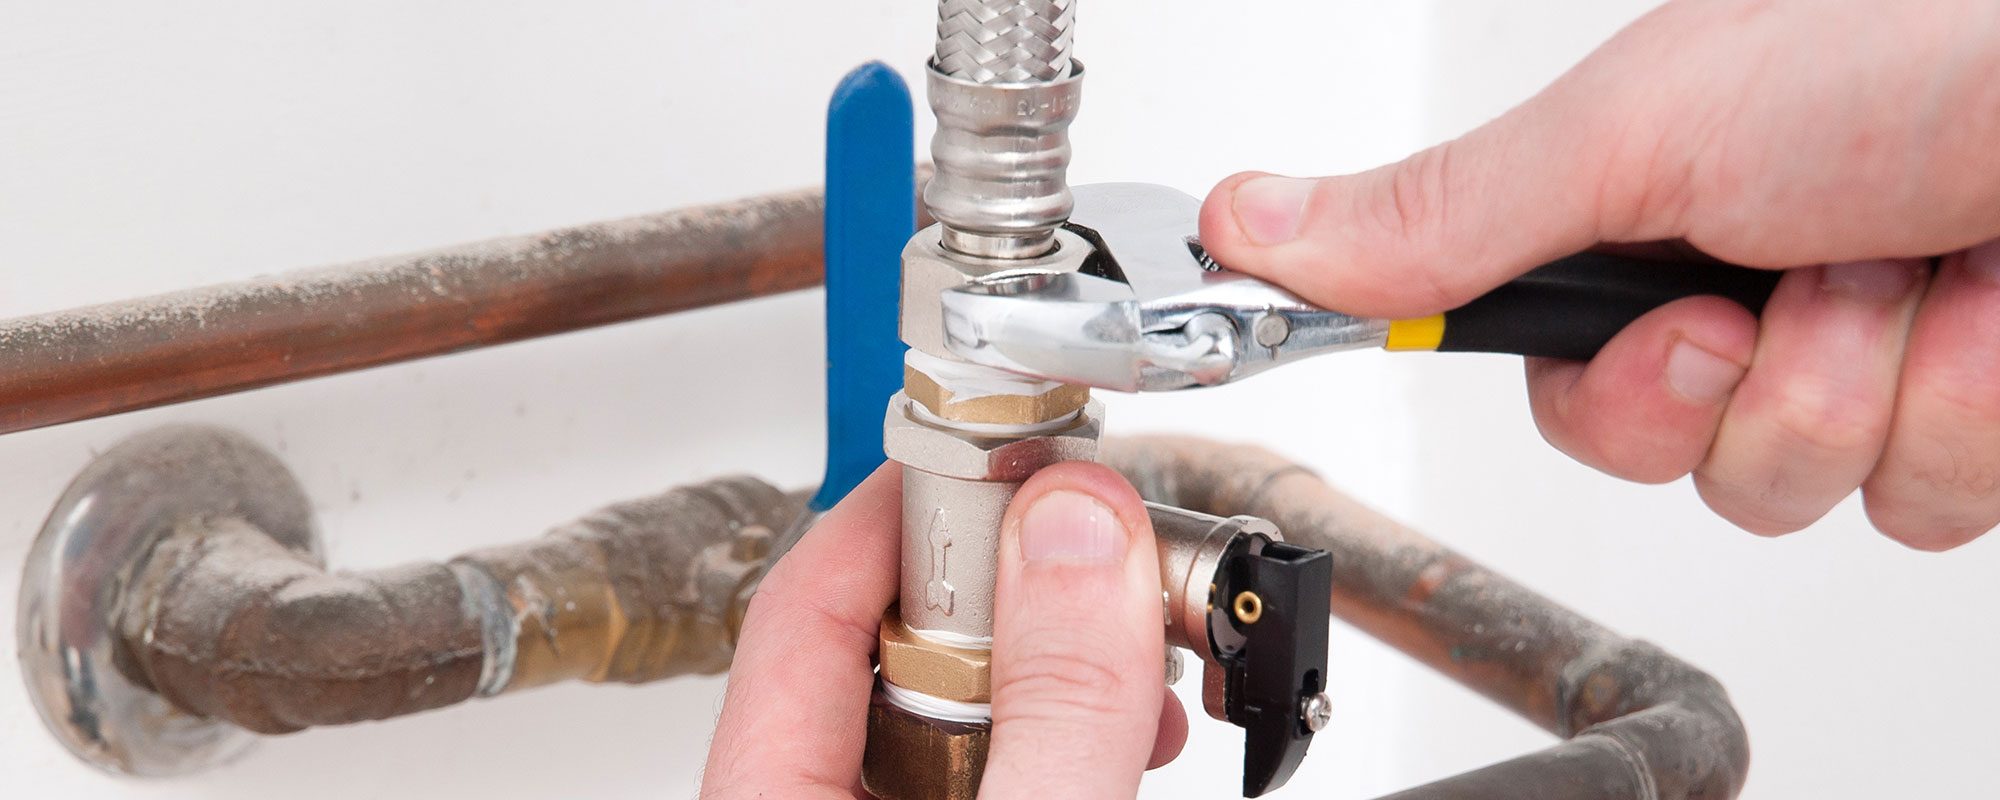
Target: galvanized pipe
1638,722
125,356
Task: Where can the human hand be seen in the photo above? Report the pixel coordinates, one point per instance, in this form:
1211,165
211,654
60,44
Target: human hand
1845,140
1079,703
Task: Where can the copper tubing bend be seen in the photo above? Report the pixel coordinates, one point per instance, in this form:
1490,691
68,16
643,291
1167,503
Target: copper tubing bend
228,624
1638,722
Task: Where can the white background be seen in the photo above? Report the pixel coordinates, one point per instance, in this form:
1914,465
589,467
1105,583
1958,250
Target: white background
148,146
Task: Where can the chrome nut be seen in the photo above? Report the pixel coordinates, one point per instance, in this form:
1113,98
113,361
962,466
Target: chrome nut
929,269
973,457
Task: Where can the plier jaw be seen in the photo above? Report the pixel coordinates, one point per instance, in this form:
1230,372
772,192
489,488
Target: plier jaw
1144,311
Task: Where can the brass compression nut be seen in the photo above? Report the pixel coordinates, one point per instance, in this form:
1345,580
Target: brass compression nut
997,409
911,757
940,670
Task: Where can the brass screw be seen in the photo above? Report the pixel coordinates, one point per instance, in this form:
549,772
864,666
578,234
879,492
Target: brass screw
1249,607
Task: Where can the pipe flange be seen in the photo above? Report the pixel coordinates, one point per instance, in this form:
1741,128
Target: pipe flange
100,533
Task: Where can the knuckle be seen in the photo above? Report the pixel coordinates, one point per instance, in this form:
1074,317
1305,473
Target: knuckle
1418,194
1923,528
1816,417
1415,215
1950,468
1058,683
1765,509
1647,192
1968,395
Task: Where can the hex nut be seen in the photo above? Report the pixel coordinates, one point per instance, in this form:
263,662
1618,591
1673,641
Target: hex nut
973,457
939,670
929,269
996,409
910,757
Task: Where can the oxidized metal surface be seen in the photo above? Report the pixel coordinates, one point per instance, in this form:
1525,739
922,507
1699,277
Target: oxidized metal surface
176,600
229,626
90,362
994,409
934,668
1639,722
638,591
105,528
916,758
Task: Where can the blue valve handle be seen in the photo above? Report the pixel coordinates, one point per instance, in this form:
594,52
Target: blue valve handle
871,212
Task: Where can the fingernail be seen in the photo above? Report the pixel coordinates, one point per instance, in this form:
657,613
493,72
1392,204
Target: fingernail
1868,281
1984,262
1701,376
1072,527
1269,208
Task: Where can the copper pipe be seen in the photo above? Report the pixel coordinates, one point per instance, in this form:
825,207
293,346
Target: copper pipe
99,360
1638,722
229,624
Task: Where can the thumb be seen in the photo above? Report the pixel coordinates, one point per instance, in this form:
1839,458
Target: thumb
1429,233
1077,639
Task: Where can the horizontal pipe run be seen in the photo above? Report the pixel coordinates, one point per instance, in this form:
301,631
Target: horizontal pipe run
90,362
1638,722
229,624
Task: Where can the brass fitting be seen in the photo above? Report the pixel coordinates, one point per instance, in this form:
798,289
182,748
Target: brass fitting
939,670
997,409
910,757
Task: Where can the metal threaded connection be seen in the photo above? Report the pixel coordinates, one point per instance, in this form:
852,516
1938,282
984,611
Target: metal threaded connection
1005,41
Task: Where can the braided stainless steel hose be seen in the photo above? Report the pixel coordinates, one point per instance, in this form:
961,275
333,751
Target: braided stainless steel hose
1005,88
1005,41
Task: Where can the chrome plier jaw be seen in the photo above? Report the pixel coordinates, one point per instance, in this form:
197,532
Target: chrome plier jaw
1146,311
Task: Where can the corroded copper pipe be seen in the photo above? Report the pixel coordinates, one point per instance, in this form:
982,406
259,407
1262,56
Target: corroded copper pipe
229,624
90,362
1638,722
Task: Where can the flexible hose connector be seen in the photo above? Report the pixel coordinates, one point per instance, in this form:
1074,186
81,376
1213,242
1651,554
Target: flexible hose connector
1005,41
1005,90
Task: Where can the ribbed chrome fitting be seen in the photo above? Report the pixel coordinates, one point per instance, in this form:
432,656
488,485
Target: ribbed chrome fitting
1002,155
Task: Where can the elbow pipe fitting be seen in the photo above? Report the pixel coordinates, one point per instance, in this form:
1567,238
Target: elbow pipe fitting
176,600
1638,722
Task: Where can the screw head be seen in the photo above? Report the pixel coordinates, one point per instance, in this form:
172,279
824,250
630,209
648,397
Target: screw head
1272,330
1316,711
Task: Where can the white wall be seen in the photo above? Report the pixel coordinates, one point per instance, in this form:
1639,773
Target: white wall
1863,669
146,147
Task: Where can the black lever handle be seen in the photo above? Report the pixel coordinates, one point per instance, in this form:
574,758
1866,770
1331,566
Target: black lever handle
1278,596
